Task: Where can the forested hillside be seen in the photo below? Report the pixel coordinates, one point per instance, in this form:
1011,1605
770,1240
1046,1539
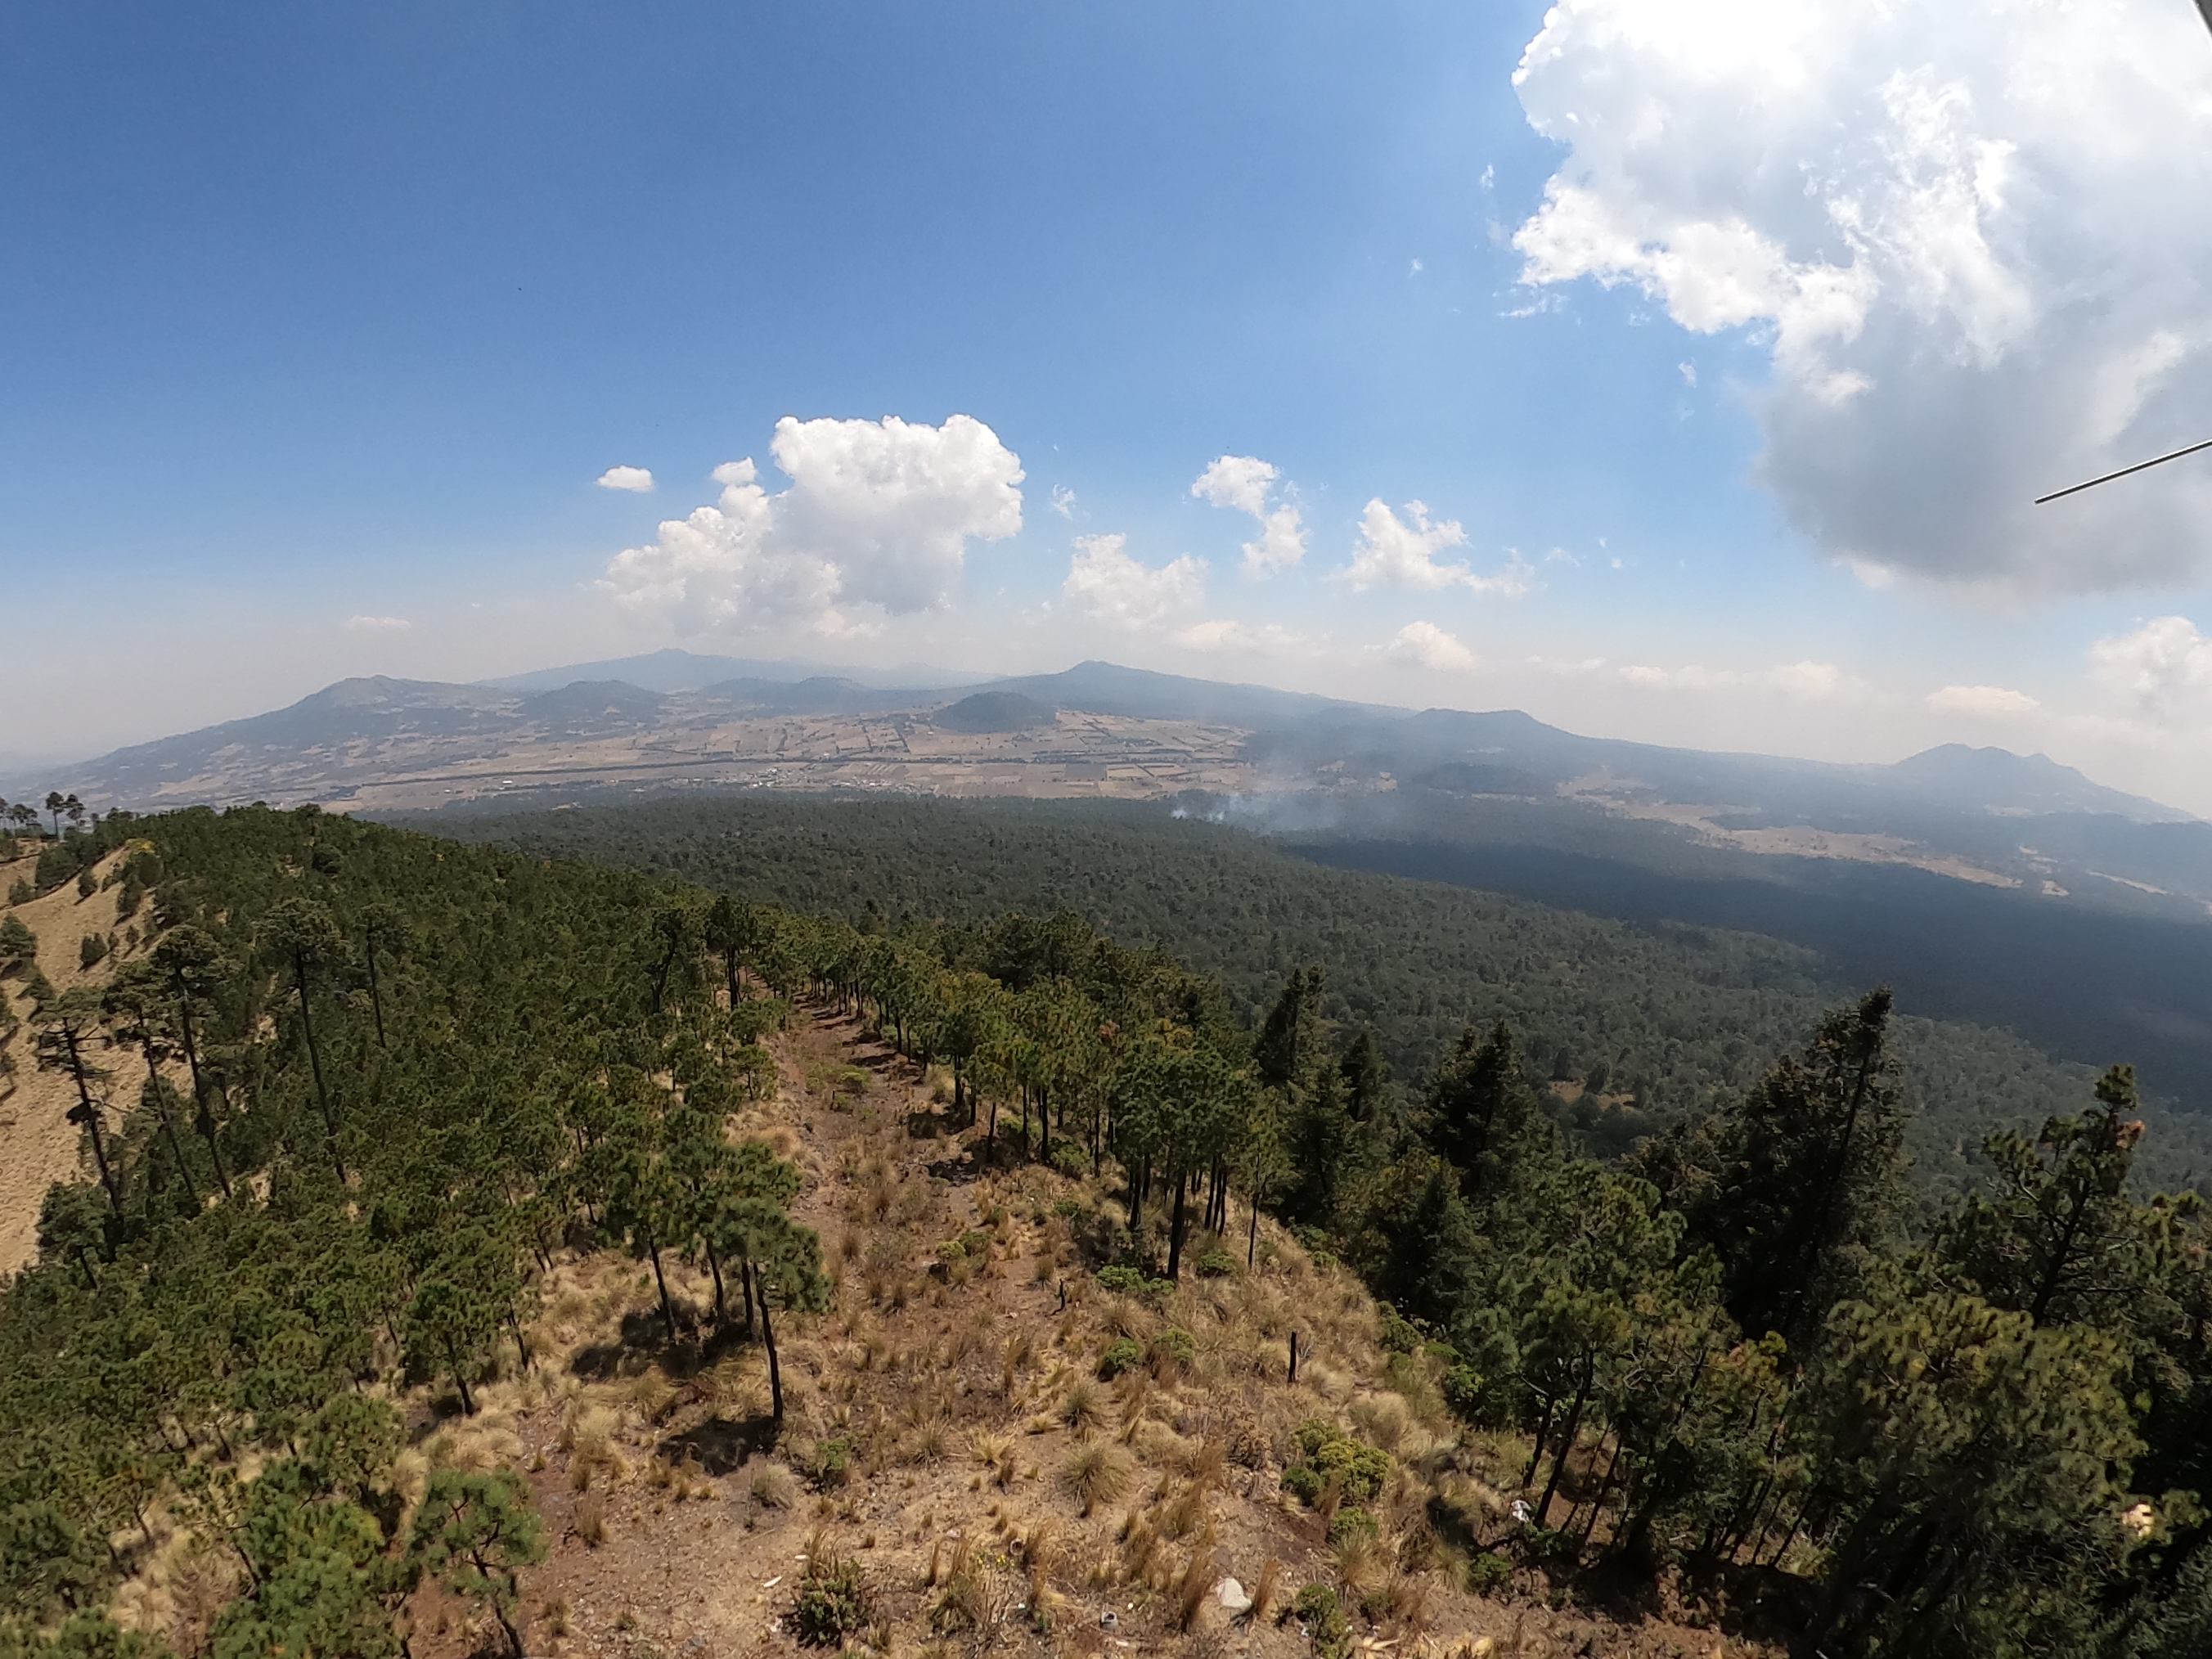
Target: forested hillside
1658,1020
434,1094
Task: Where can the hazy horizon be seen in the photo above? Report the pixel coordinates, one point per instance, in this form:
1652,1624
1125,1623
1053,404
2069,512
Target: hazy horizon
1378,355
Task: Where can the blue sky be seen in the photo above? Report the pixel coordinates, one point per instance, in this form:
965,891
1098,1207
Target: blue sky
319,323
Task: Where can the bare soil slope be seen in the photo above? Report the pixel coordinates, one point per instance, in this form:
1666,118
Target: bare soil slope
38,1143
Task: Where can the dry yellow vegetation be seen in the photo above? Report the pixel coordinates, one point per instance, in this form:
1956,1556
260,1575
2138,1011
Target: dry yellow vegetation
38,1143
951,1453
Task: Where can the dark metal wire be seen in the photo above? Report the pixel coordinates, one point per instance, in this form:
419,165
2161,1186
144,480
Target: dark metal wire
2156,460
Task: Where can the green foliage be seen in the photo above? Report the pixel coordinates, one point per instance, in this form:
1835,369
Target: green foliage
1217,1264
19,945
1329,1453
1399,1335
1350,1522
1123,1353
1316,1607
1176,1346
1488,1573
46,1564
1124,1280
830,1463
830,1601
476,1531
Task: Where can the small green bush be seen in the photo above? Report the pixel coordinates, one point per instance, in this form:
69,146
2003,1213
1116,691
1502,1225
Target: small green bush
831,1602
1121,1354
1400,1335
1463,1392
1216,1264
18,944
1487,1574
1122,1281
20,892
1067,1208
1317,1609
89,950
1176,1344
831,1462
1329,1451
1350,1522
1305,1483
1070,1159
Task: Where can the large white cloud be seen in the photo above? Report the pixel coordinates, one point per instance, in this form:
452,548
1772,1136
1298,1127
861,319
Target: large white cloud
1107,582
1245,482
1395,552
1425,645
2164,666
1975,235
877,517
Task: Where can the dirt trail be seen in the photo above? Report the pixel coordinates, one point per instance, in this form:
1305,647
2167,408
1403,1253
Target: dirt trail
934,1421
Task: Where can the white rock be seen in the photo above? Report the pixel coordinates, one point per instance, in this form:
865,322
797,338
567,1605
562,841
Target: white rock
1231,1596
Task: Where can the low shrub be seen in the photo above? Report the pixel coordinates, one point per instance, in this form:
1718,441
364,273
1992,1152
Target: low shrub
831,1462
832,1600
1400,1335
1351,1521
1319,1611
1121,1354
1328,1450
1488,1574
1217,1264
1175,1345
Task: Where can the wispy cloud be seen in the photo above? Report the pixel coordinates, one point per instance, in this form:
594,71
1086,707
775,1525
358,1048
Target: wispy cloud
375,624
1996,700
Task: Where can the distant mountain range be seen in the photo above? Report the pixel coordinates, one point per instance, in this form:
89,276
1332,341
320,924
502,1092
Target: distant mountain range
673,670
1360,773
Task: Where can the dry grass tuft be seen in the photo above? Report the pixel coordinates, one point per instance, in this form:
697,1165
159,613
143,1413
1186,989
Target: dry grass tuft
1096,1473
772,1487
1081,1408
1265,1591
1193,1586
588,1521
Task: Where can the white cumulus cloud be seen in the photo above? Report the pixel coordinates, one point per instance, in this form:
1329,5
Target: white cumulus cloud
635,478
1425,645
2163,666
1807,682
1998,701
1395,552
1971,234
878,516
1246,484
1225,634
375,624
1106,582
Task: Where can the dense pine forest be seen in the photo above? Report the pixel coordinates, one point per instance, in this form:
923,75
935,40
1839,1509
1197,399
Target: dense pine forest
1643,1025
350,1094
